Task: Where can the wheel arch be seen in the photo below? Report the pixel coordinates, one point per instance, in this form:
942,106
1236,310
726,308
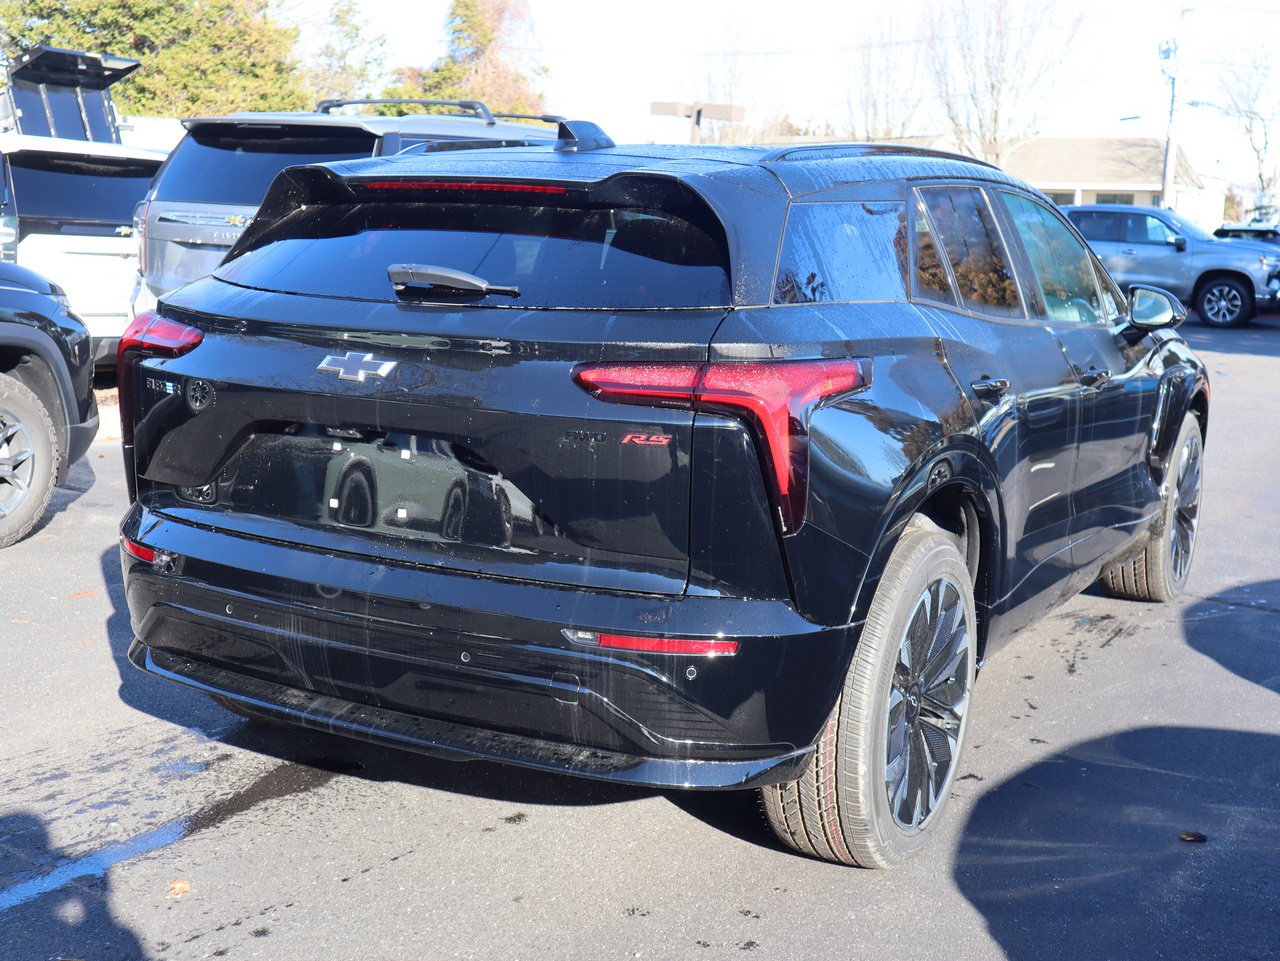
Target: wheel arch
955,488
25,356
1184,389
1223,273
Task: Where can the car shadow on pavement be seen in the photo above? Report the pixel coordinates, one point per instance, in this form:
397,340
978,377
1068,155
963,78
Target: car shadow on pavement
1158,842
54,906
80,477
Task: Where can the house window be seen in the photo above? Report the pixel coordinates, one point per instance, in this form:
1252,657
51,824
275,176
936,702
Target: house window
1062,199
1115,198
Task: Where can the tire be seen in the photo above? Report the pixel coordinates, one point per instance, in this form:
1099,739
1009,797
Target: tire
28,460
881,773
1160,572
1224,302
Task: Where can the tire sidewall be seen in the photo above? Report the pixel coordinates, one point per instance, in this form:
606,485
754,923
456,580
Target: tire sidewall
18,403
864,721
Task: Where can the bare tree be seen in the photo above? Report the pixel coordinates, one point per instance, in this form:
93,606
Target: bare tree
886,90
994,64
1248,84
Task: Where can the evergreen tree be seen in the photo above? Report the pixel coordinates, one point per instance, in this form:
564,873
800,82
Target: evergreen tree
198,57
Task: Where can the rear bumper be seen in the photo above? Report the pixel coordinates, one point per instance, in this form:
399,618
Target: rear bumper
455,665
459,742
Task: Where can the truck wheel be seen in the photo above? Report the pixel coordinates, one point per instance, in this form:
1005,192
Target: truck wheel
28,460
881,773
1224,303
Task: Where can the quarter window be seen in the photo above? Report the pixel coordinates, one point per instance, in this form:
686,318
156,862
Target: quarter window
967,229
853,251
929,279
1066,287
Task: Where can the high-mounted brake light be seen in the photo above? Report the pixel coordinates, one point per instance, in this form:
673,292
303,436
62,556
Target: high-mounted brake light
158,337
774,397
493,185
654,645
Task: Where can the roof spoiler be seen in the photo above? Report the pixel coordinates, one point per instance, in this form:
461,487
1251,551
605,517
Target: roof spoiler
473,108
577,135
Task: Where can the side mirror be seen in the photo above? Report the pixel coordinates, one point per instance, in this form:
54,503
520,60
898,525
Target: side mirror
1178,241
1151,308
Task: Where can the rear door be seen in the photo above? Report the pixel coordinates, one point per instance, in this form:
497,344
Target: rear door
438,427
1147,254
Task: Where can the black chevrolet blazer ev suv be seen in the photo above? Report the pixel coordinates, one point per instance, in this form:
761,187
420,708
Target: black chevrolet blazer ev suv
679,466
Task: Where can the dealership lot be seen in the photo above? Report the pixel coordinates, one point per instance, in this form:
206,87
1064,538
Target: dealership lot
139,820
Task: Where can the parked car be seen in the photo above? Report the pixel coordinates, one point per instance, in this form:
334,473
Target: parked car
1226,280
210,188
69,187
686,467
48,415
1259,232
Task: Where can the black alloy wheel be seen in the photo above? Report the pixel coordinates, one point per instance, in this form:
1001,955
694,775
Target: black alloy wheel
882,771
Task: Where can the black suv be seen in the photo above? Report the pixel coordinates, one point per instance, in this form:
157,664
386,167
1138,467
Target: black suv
689,467
214,179
48,416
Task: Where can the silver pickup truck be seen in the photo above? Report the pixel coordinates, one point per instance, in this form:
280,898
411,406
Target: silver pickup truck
1227,281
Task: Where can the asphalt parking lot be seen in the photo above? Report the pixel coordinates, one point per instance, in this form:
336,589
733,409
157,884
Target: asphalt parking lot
139,820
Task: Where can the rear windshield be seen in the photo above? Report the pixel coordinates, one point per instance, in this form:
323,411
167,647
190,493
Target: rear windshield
556,256
225,164
68,187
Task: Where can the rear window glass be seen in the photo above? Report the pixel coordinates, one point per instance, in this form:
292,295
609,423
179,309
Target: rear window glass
843,252
62,187
226,164
608,257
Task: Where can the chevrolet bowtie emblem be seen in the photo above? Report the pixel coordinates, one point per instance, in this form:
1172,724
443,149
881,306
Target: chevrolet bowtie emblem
353,366
236,220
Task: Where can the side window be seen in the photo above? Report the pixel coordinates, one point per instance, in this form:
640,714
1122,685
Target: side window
841,252
1145,229
967,230
1096,224
1061,264
929,279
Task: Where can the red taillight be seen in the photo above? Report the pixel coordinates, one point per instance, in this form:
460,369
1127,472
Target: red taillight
654,645
155,336
137,550
774,397
486,185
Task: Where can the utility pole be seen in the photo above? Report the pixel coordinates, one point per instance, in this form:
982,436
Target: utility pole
1169,65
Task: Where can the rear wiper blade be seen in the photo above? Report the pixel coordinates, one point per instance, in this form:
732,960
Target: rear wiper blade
429,275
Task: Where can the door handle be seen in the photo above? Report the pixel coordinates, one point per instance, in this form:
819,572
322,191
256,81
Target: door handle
1095,378
1128,250
990,388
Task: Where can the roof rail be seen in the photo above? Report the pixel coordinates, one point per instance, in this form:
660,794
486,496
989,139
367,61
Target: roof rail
544,117
474,107
575,135
435,146
816,151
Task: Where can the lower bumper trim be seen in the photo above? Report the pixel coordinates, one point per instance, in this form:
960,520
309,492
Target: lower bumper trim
458,742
